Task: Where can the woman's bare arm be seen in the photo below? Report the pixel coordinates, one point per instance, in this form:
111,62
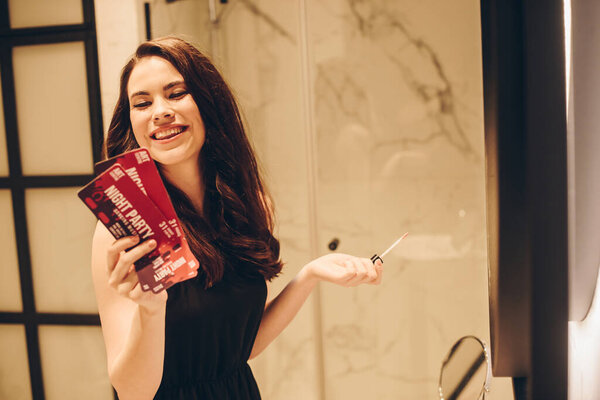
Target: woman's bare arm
340,269
133,322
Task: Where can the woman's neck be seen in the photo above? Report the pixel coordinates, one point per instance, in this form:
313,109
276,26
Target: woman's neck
187,177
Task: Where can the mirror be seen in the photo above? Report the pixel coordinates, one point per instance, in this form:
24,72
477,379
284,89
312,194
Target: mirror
388,95
466,371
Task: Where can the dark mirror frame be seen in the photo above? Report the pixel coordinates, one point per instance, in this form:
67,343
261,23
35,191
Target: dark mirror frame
526,178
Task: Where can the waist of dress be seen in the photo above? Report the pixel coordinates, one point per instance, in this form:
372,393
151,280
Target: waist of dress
243,369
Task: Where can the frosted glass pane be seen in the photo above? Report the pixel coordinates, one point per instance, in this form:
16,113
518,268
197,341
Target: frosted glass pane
3,153
28,13
10,289
60,236
74,363
52,109
14,367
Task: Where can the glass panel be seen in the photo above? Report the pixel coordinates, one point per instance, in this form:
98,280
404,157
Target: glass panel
52,109
3,153
10,288
260,52
74,363
60,235
398,121
29,13
14,365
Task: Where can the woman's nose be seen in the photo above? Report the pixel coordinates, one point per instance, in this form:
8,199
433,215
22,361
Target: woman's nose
162,111
163,115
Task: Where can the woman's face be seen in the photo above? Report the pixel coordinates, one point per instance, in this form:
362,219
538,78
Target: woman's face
164,116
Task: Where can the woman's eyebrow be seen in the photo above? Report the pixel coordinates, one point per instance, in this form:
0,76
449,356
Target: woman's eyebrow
140,93
174,83
166,87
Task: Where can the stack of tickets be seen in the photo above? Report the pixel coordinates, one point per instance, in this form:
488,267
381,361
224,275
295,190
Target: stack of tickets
129,198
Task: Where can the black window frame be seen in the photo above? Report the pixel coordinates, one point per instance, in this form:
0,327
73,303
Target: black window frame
17,183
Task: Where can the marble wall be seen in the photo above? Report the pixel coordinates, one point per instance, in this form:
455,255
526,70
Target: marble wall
395,97
367,118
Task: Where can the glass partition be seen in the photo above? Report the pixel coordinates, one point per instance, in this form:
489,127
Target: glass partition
53,109
60,235
74,363
34,13
10,287
14,370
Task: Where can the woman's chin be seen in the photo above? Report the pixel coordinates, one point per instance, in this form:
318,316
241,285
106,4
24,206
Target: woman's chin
174,157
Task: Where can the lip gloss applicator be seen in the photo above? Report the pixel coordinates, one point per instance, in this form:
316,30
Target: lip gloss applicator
376,257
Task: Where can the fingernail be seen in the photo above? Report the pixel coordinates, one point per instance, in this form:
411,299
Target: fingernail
151,242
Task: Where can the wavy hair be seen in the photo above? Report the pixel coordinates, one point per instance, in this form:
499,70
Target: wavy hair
235,229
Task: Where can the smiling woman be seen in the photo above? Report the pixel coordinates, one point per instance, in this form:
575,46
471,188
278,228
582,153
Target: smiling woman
194,340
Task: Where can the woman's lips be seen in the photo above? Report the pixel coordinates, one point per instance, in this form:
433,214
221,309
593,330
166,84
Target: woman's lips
166,134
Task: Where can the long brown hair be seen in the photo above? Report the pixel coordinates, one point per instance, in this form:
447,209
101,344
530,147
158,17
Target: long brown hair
236,225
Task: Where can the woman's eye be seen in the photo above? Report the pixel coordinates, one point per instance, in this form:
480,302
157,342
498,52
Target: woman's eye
142,104
177,95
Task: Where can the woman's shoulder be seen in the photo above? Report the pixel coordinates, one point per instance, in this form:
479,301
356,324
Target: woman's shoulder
101,241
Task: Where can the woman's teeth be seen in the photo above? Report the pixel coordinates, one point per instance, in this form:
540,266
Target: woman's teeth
168,133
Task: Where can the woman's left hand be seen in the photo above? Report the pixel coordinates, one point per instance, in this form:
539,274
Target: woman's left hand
345,270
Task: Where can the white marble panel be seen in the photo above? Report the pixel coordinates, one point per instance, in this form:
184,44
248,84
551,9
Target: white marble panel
398,107
185,19
259,55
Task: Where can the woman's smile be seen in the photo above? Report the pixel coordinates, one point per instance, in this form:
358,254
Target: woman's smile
168,134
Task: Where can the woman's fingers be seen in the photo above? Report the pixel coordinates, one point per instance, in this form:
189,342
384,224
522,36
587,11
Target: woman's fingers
114,251
126,260
126,285
136,293
372,270
379,270
363,271
346,270
356,271
350,272
366,272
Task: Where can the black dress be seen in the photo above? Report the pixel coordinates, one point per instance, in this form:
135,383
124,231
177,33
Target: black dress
209,335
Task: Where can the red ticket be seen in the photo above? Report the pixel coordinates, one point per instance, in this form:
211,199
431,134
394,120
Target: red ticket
123,208
141,168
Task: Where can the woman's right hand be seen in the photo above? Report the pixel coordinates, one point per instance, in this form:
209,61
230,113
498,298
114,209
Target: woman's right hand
122,276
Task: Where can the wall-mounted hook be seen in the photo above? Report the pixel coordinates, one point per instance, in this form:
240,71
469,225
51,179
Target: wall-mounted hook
333,244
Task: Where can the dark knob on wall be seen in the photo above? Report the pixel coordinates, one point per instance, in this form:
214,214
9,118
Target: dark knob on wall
333,245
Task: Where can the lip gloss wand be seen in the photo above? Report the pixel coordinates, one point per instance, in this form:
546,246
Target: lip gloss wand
380,258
